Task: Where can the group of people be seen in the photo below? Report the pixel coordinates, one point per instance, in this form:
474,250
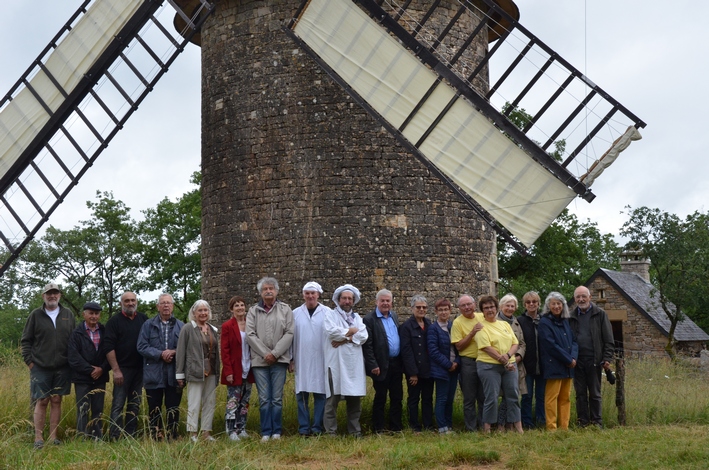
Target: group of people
491,353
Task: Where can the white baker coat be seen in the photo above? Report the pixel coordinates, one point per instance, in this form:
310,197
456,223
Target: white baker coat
346,362
308,354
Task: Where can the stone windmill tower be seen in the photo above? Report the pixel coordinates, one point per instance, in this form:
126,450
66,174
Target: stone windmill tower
301,183
362,141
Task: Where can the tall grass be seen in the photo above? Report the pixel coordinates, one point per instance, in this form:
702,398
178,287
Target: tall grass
667,413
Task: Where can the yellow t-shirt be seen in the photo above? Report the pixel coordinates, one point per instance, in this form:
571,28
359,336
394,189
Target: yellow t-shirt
461,327
497,334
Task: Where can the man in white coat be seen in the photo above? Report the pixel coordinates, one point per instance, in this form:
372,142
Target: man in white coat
308,361
344,335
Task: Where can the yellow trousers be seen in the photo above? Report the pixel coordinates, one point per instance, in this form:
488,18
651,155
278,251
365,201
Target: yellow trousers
557,403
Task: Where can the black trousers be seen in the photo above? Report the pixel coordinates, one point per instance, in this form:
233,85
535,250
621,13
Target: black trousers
390,384
89,401
172,397
587,384
421,392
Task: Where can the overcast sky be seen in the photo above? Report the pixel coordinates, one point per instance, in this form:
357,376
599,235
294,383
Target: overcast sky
647,55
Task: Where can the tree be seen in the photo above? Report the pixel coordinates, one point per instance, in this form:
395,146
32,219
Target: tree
679,260
97,259
563,257
170,239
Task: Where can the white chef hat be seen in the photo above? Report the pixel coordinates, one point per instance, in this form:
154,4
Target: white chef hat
312,286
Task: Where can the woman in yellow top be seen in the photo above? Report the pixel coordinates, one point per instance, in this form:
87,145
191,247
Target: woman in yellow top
497,368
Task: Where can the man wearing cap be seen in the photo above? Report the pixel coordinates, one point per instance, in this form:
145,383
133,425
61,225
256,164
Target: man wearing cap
308,360
121,345
89,371
382,359
45,341
157,344
344,335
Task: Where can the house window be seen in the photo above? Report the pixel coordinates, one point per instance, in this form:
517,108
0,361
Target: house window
601,294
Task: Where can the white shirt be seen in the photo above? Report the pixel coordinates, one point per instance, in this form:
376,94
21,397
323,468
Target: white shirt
53,314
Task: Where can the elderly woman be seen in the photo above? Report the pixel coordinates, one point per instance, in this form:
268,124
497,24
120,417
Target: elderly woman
197,363
508,307
445,365
236,370
497,368
269,331
529,321
558,354
414,355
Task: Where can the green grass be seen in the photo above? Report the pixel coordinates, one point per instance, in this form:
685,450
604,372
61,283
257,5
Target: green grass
667,428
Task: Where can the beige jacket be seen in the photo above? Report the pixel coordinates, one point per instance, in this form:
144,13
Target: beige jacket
269,332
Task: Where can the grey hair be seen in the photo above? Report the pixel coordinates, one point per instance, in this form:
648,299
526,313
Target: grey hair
198,304
418,298
466,295
560,298
267,281
507,299
384,292
165,294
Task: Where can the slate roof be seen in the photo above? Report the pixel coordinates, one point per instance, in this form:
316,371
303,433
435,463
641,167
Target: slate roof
640,294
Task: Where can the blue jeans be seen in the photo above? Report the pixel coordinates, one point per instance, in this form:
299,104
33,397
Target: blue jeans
129,395
535,389
445,396
269,383
304,427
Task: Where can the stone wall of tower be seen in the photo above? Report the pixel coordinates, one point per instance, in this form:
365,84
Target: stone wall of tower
300,183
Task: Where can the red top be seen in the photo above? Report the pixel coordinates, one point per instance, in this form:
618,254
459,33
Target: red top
232,353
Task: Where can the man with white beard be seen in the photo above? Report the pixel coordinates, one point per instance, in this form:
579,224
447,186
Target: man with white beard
344,334
308,361
45,345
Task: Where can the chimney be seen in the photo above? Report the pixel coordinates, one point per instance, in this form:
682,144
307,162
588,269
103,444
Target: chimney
635,262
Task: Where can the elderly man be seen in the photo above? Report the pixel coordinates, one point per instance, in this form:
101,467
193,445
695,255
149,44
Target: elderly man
121,346
594,336
45,342
157,344
89,371
382,359
308,361
269,332
464,329
344,335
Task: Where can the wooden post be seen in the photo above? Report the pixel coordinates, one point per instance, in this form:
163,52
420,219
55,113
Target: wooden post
620,389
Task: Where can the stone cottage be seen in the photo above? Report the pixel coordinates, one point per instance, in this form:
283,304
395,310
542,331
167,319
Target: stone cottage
640,325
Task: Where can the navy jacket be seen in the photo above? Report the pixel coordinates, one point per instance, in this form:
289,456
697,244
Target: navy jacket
151,345
557,347
83,356
439,347
414,349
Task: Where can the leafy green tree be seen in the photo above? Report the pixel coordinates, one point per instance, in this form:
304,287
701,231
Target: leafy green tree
679,260
563,258
95,260
170,239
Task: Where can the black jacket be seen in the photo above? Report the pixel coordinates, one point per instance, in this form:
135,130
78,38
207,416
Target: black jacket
601,332
414,348
529,330
83,356
376,348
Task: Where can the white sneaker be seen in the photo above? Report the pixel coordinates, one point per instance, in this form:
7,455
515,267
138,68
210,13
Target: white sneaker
276,436
265,438
193,438
243,435
234,436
